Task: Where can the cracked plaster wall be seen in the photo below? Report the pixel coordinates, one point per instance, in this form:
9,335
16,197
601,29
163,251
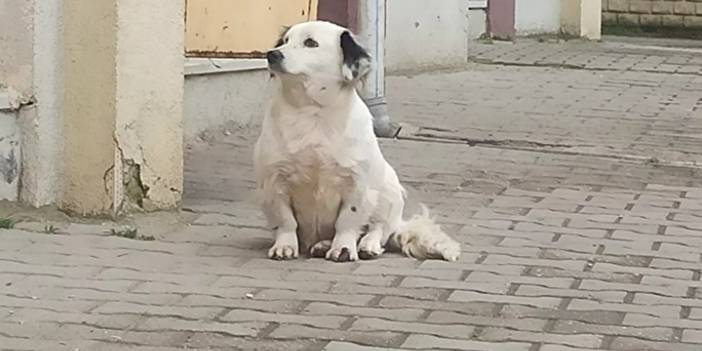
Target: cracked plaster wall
124,132
149,126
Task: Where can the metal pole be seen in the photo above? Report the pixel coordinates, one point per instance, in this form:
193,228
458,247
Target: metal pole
371,32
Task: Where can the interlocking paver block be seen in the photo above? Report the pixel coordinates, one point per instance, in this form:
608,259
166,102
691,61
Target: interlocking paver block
397,314
468,296
577,340
456,331
431,342
347,346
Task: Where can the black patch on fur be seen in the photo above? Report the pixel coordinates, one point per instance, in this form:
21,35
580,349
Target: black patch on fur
353,53
353,208
281,39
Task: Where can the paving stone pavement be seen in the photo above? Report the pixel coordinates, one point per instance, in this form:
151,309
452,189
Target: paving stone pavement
528,96
564,250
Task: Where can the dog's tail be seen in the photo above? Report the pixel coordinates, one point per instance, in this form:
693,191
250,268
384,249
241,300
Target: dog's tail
422,238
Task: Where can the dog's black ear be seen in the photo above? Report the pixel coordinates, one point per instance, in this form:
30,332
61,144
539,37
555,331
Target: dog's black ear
281,39
357,62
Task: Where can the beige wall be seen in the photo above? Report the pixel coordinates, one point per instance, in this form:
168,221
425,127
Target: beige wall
16,32
89,107
582,18
591,22
239,28
123,106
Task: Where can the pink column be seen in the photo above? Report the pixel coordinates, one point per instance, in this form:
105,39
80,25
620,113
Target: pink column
501,18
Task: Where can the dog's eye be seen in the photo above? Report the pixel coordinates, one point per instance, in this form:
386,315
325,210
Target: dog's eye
286,40
310,43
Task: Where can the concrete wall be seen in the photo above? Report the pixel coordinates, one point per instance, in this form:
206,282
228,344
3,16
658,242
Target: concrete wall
132,122
16,36
477,23
15,81
9,154
591,20
30,85
41,125
582,18
422,35
538,16
149,107
653,13
122,109
223,92
89,106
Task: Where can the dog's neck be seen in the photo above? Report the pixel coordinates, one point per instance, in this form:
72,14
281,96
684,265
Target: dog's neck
318,93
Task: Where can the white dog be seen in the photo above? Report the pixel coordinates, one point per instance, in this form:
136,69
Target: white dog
327,190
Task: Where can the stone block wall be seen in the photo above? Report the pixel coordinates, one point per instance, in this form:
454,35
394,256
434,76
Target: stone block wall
653,13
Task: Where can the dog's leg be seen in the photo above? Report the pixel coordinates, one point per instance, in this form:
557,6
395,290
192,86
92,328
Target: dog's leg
371,245
281,218
348,227
388,209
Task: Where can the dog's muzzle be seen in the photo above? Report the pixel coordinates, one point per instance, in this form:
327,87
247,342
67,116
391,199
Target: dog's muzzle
275,58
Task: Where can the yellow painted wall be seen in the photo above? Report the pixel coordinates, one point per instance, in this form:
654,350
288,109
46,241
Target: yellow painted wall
241,28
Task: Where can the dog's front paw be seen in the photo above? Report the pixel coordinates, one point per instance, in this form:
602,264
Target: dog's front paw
342,254
283,251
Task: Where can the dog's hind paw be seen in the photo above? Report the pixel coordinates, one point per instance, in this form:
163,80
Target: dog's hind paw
342,254
319,250
369,248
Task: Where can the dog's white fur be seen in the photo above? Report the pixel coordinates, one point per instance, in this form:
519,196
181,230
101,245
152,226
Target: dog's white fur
327,188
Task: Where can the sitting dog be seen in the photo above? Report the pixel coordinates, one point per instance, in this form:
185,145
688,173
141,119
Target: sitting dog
327,189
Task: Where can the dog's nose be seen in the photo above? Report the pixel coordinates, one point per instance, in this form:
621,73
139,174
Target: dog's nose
274,56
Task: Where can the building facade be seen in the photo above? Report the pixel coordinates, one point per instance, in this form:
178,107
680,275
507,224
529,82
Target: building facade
94,114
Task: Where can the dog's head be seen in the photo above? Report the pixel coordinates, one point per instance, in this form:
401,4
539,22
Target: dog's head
320,51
